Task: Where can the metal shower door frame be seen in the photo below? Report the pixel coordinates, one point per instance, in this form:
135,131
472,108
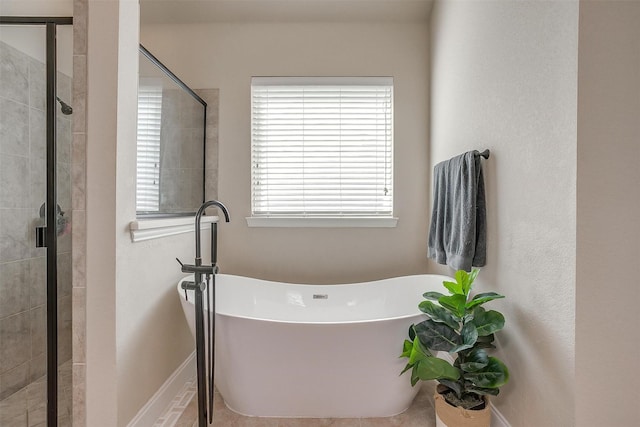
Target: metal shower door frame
51,237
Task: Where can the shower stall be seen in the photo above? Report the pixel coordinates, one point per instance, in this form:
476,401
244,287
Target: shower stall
35,221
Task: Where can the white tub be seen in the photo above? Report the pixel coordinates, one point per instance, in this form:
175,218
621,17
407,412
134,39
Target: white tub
330,351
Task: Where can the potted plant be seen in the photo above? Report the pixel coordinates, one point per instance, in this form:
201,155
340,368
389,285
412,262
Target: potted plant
458,324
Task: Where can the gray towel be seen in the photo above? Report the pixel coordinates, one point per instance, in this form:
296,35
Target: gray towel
458,233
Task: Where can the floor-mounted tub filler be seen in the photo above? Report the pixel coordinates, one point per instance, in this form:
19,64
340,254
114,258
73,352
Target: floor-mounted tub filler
330,351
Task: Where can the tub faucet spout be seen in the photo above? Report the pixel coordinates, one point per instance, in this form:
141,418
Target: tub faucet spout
198,268
199,214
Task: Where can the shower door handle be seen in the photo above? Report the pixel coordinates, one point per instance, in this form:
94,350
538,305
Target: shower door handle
41,237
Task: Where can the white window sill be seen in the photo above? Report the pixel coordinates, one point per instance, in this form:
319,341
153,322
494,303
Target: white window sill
147,229
329,222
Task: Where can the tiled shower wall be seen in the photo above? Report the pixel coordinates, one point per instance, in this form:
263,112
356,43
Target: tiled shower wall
181,139
23,191
212,98
78,202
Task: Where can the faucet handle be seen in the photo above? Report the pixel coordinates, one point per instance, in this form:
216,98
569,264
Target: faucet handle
202,269
190,286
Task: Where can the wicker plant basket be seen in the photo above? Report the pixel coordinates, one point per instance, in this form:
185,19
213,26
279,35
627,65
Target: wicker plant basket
452,416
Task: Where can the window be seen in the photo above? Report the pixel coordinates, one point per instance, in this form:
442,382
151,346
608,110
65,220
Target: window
322,147
148,152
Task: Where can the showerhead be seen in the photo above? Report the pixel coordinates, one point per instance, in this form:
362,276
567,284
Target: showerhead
64,107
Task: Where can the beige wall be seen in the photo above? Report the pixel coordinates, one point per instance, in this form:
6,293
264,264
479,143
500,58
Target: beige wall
102,82
504,78
152,339
607,293
225,56
136,331
36,7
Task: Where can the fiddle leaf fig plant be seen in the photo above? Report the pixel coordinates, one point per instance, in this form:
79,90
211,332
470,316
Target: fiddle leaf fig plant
458,324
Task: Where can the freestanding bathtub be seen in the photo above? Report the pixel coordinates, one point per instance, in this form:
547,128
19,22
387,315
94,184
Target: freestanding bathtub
330,351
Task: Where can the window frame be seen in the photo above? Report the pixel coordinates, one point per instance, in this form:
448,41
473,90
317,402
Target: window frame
306,219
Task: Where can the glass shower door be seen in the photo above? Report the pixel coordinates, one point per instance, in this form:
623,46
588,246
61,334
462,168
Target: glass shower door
23,194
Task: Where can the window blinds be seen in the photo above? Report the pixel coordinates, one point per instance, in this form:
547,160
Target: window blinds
322,146
148,153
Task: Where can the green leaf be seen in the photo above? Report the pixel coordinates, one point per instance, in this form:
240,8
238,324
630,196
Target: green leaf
414,376
437,336
406,368
412,333
433,368
418,353
453,287
464,279
475,360
434,296
406,348
487,322
469,336
453,385
494,375
473,275
438,314
482,298
455,304
468,317
482,391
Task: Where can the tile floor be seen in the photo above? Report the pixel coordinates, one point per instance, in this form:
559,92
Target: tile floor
27,407
183,413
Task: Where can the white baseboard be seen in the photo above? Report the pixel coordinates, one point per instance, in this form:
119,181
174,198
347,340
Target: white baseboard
161,400
497,419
